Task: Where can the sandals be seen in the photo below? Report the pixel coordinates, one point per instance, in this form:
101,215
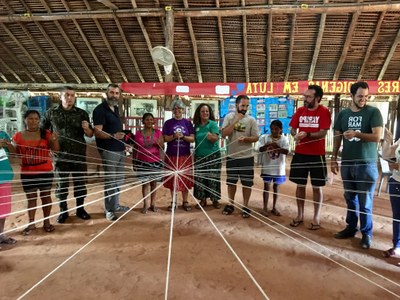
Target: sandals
8,241
28,230
49,228
275,212
186,206
172,207
246,212
314,226
153,208
144,210
392,252
202,203
295,223
228,209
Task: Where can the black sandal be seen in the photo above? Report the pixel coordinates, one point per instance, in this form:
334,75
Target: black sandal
246,212
172,207
186,206
228,209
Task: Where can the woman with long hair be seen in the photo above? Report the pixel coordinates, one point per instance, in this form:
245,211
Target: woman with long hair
146,158
34,145
207,157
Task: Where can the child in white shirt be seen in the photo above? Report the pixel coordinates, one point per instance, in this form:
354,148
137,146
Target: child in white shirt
274,147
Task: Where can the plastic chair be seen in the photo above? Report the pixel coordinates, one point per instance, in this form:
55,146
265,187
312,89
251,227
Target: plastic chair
385,172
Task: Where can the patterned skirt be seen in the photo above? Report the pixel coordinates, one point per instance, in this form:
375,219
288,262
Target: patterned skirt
207,177
180,167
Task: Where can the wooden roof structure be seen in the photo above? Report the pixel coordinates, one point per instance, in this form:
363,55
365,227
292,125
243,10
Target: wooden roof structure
87,44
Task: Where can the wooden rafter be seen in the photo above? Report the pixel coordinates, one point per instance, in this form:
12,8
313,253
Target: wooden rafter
128,48
210,12
42,52
318,44
346,45
268,45
291,45
222,44
389,56
371,44
245,45
9,53
26,52
168,30
194,45
148,42
109,4
110,50
3,77
6,66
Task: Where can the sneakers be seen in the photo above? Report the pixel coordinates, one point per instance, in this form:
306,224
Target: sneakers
365,241
122,208
82,214
345,233
110,216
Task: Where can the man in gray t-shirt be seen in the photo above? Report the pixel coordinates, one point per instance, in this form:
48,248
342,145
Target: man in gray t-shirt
241,131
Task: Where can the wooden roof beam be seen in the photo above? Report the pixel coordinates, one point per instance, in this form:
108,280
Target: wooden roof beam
46,57
26,52
268,45
333,8
346,45
194,45
111,51
6,66
371,44
109,4
318,43
389,56
290,56
17,63
148,42
88,45
222,44
128,48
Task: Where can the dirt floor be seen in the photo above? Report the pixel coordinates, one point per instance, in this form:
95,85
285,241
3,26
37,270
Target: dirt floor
212,256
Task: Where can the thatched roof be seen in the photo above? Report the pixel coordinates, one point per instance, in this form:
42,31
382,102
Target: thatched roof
89,43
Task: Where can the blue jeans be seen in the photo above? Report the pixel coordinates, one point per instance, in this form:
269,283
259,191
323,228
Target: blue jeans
394,191
359,179
113,164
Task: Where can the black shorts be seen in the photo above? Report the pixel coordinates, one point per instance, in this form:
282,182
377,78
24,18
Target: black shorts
303,165
33,182
242,168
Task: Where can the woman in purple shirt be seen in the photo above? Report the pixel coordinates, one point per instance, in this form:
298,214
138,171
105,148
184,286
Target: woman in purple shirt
179,133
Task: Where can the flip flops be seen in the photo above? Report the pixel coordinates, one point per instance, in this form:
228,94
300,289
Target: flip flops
228,209
275,212
28,230
246,212
314,226
295,223
153,208
8,241
391,253
49,228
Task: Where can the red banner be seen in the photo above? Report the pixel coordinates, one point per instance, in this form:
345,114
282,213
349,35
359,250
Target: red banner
379,87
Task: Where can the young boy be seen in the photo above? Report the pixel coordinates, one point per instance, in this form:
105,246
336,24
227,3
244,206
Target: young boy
275,147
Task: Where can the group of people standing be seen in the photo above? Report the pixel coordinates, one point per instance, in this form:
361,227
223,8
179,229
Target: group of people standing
357,130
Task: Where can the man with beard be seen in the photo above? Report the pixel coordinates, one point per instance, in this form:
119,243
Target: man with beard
360,127
109,140
309,126
72,124
242,131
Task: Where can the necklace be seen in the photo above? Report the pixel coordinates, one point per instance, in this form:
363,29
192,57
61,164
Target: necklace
151,139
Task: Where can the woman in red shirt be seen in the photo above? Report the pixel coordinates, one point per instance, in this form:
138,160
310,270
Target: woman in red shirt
33,146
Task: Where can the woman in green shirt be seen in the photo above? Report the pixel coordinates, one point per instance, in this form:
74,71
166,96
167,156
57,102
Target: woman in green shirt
207,170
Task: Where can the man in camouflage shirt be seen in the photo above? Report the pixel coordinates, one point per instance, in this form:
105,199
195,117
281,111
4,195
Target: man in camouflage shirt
72,124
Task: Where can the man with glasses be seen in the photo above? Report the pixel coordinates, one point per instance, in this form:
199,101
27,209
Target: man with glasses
360,127
309,126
